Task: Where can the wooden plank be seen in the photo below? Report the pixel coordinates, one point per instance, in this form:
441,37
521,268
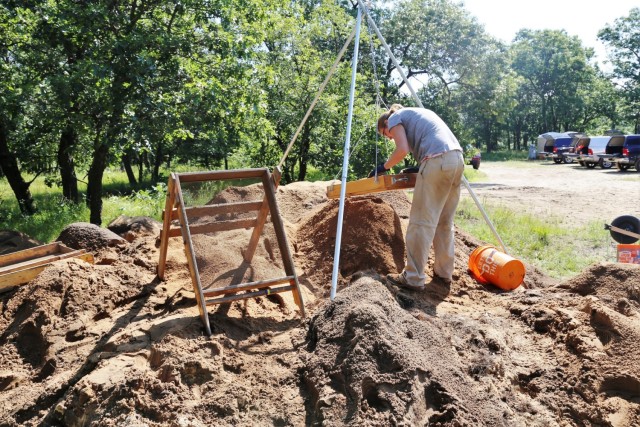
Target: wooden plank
28,264
191,257
11,280
283,244
166,227
216,226
246,286
257,231
263,292
370,185
223,174
19,277
47,259
30,253
223,208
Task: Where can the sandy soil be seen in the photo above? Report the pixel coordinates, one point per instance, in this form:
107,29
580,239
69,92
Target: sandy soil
567,191
109,344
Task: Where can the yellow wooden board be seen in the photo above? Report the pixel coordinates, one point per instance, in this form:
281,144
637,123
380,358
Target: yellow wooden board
23,266
372,185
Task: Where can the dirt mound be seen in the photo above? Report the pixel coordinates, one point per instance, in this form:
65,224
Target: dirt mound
372,239
298,199
371,363
132,227
108,344
608,281
13,241
82,235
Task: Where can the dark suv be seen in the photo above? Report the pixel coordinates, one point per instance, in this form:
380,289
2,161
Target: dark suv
578,142
625,152
554,149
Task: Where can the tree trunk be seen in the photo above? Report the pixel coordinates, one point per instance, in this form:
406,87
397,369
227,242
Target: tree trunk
140,168
126,163
68,140
11,170
94,187
305,142
157,161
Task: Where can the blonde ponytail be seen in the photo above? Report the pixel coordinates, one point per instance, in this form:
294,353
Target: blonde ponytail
385,116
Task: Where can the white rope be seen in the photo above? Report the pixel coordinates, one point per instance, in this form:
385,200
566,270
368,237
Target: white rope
379,100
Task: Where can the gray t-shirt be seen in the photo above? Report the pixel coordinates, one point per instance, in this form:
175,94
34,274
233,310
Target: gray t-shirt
427,133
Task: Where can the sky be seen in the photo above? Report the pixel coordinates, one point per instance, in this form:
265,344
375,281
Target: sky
504,18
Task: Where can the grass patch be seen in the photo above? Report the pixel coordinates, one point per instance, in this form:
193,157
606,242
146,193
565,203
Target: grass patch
55,213
474,175
558,250
505,155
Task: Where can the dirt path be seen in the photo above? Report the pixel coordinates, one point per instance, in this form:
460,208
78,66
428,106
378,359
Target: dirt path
568,192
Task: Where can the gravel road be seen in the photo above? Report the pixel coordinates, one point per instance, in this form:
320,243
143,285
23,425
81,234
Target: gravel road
568,192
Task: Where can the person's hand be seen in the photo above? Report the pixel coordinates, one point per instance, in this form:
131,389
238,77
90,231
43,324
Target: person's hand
379,170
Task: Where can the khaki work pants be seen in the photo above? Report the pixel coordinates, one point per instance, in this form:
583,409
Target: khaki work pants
435,199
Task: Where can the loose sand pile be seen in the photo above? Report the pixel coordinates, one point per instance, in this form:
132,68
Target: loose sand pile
108,344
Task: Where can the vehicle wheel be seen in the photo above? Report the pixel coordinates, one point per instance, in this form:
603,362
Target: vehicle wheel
557,161
590,165
567,160
638,165
605,165
628,223
622,167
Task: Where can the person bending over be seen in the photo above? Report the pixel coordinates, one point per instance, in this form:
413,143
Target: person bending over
424,134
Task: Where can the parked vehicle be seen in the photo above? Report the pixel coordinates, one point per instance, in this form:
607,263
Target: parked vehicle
578,142
475,160
588,155
553,145
624,151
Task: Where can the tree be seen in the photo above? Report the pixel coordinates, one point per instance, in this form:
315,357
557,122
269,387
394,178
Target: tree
554,67
623,40
301,46
17,89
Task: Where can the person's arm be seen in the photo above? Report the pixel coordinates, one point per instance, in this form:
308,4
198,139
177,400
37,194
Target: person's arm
402,146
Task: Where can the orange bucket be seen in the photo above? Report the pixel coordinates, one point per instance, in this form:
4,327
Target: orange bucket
488,265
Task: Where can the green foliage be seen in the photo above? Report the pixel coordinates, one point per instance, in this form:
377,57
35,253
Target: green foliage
554,67
148,202
505,155
623,40
53,215
55,212
163,85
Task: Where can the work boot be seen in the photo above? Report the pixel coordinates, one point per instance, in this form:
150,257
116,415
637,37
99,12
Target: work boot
442,279
398,279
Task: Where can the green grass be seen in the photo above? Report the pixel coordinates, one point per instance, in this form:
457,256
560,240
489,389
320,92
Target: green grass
560,251
474,175
504,155
55,213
